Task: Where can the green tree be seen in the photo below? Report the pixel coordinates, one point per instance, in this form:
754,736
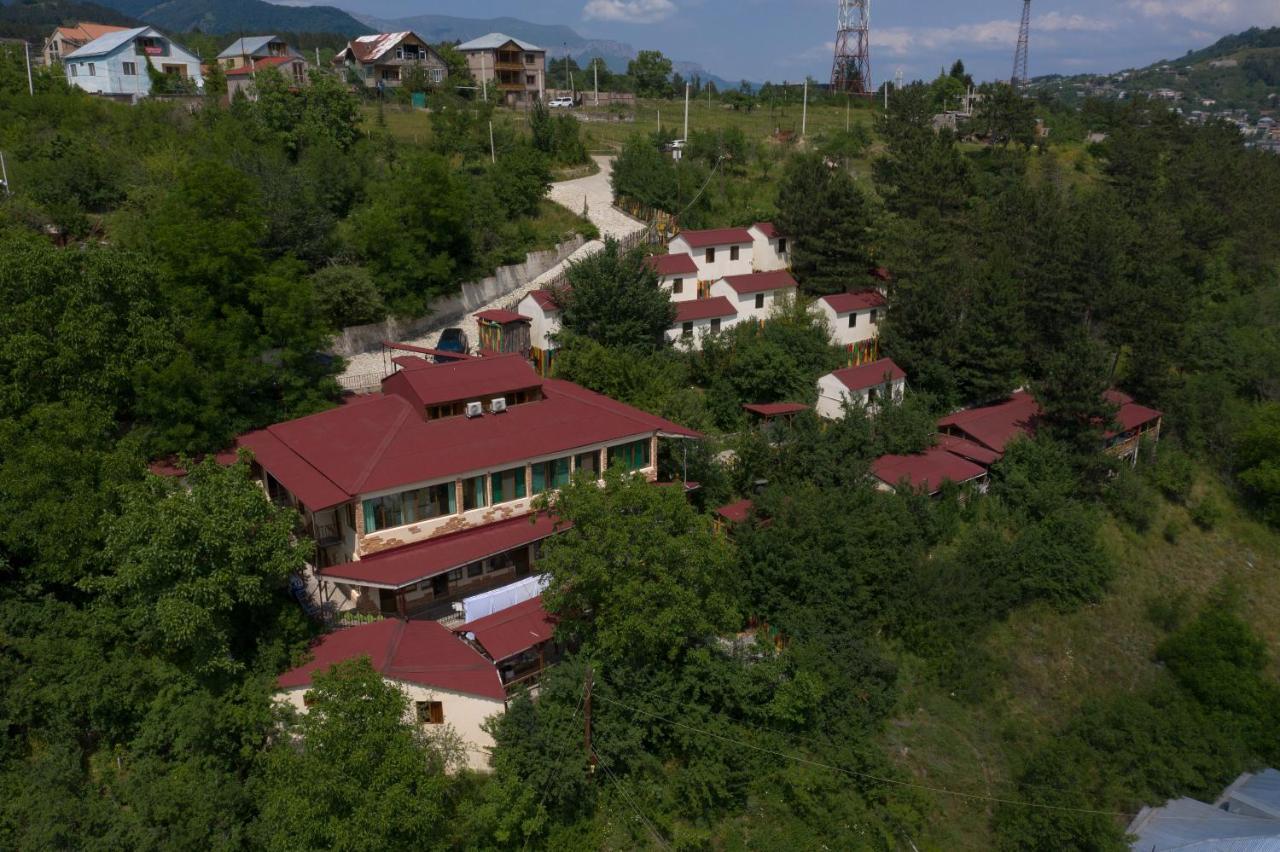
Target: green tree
346,295
639,576
614,298
828,219
521,177
991,349
1257,459
198,567
650,71
1074,410
351,772
1003,115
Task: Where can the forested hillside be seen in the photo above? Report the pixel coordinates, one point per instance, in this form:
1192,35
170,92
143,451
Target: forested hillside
846,668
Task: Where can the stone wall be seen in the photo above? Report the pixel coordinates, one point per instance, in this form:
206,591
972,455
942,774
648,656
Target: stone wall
450,310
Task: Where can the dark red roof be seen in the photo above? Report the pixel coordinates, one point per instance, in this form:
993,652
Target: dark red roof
760,282
513,630
716,237
502,317
545,299
169,466
994,426
736,513
925,471
869,375
1131,415
967,449
412,563
843,303
767,229
672,264
421,652
882,273
696,309
328,458
260,64
775,409
474,378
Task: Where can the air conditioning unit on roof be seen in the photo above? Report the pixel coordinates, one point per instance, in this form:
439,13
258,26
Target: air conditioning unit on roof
498,404
474,409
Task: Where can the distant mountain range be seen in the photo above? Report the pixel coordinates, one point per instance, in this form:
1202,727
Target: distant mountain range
236,16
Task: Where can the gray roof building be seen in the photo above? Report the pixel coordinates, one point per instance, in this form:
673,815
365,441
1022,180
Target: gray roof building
1246,818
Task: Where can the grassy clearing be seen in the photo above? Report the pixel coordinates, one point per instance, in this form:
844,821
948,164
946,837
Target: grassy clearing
555,224
1048,664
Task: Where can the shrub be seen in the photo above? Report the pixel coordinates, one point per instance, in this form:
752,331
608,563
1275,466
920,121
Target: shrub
1207,513
1132,500
1172,473
1173,530
346,295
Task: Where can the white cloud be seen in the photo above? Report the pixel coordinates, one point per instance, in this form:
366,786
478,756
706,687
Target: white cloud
628,11
901,41
1236,14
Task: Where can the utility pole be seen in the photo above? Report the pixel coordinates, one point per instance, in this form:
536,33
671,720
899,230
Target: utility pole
686,111
317,57
804,113
566,63
595,75
26,53
847,100
493,156
586,717
4,176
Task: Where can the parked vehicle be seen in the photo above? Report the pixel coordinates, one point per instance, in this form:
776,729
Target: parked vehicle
452,340
561,103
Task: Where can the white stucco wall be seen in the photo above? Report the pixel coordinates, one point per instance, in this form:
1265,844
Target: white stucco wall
841,334
463,713
701,328
832,395
721,266
543,325
688,288
746,304
765,253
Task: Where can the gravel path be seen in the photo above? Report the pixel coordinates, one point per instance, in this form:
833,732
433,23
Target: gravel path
595,192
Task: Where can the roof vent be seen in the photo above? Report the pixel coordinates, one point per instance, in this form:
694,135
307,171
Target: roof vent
498,404
474,409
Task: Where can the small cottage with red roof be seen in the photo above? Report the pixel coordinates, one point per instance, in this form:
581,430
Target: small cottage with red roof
863,386
754,295
926,472
543,311
698,318
854,320
446,680
769,248
717,251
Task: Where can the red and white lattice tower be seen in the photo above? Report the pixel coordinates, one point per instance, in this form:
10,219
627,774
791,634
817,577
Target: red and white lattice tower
851,69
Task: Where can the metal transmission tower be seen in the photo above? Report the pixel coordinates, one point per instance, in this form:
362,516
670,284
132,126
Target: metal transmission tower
851,70
1019,77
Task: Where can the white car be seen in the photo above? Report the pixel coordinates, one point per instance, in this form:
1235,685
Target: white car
561,103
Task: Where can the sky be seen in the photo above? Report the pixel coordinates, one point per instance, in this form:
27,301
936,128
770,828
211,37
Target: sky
787,39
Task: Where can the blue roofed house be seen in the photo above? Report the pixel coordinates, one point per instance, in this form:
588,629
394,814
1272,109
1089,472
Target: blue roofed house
1245,818
247,50
116,63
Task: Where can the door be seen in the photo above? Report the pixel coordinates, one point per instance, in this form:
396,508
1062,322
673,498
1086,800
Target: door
440,586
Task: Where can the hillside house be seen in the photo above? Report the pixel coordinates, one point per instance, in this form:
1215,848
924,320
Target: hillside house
678,275
513,70
863,386
854,320
420,496
383,60
698,318
926,472
770,250
753,295
247,51
242,79
544,323
64,41
987,430
116,63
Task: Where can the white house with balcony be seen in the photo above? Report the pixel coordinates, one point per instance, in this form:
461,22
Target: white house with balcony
116,62
423,495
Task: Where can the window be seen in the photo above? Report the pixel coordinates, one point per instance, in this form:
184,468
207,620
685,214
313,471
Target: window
782,245
530,59
631,456
299,73
349,510
853,319
430,712
92,72
437,75
129,69
74,71
473,494
686,329
475,569
677,286
715,325
391,74
711,255
396,510
508,485
588,462
550,474
531,79
733,252
175,70
399,53
875,317
759,301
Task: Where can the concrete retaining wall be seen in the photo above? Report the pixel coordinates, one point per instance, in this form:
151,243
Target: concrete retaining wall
448,310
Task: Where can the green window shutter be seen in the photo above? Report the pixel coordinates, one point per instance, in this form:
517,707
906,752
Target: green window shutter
370,517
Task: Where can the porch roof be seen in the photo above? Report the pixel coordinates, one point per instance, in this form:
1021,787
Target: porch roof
513,630
404,566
